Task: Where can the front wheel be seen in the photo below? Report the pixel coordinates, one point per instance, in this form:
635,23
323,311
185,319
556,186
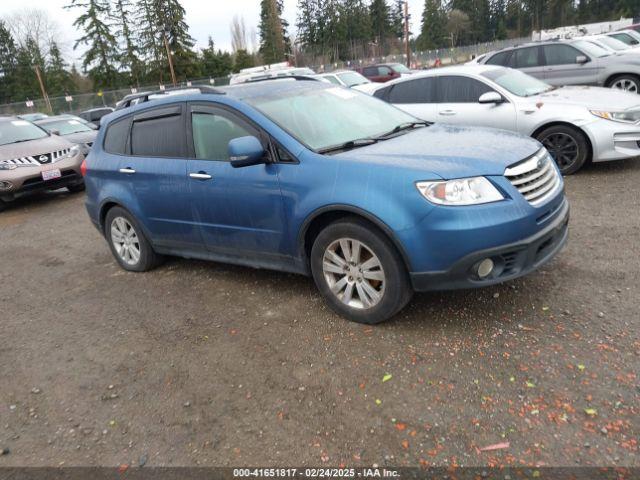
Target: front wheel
359,272
128,243
567,145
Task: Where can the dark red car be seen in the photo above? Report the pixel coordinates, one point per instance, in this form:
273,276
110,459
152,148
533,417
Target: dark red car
383,72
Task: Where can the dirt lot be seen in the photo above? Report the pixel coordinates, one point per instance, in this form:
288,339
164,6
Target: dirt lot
209,364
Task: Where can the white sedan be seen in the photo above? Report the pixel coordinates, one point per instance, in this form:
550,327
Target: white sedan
576,124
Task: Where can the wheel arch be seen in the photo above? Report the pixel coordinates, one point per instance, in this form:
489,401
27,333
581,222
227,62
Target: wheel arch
322,217
540,128
611,77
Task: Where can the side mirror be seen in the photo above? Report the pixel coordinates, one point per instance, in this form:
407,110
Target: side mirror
491,97
92,126
55,132
246,151
581,59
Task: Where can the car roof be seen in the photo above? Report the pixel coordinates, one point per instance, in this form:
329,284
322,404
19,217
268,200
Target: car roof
55,118
9,118
473,69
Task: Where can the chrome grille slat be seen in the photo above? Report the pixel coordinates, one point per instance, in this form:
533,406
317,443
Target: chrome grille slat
536,178
32,159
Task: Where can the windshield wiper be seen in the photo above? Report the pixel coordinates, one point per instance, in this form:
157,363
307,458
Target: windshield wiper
360,142
401,127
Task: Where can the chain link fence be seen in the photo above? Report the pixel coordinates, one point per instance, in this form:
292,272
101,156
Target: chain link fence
425,59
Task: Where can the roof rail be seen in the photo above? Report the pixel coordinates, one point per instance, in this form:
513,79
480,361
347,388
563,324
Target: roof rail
283,77
144,96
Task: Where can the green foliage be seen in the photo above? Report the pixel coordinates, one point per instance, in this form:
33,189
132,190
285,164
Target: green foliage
242,60
433,32
274,44
215,63
8,64
58,77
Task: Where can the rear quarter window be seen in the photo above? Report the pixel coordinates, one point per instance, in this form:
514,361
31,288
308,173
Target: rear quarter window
116,136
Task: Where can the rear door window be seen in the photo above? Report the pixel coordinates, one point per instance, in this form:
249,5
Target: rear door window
421,90
525,58
159,133
500,58
370,71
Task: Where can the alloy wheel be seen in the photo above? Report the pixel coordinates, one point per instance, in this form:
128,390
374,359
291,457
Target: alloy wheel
563,148
125,241
354,273
625,84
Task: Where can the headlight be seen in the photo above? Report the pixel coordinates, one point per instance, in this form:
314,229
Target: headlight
631,116
73,151
8,166
464,191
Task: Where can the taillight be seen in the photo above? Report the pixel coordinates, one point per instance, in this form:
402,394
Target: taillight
83,168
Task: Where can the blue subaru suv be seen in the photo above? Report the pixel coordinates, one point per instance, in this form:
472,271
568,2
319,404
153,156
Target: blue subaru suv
307,177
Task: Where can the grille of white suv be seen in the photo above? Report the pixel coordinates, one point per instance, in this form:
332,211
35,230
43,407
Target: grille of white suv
38,160
536,179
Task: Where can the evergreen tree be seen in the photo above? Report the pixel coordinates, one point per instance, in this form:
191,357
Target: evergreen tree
8,64
433,29
397,19
28,58
242,60
100,58
215,63
273,45
59,80
129,52
380,23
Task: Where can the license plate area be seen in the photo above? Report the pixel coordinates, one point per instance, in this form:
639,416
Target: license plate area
51,174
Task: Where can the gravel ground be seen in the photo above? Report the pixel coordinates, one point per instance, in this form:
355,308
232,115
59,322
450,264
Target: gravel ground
207,364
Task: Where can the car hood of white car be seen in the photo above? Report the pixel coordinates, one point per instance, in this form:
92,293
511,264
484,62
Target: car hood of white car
594,98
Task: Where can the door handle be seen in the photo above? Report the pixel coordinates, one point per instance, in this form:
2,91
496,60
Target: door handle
447,112
200,176
127,170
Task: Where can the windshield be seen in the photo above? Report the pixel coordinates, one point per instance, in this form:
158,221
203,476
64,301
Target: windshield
398,67
633,34
612,43
517,82
591,48
352,78
329,117
66,127
15,131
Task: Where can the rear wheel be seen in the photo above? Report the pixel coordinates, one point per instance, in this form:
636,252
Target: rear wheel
128,243
567,145
359,272
628,83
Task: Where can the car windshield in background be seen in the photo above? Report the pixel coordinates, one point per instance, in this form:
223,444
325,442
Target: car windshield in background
400,68
517,82
591,49
325,118
612,43
66,127
15,131
351,79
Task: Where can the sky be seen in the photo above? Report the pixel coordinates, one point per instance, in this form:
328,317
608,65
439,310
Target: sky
204,17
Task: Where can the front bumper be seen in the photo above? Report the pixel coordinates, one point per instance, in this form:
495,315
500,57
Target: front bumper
28,179
511,260
613,140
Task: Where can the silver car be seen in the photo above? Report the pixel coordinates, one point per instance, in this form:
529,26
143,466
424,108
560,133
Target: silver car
576,124
572,62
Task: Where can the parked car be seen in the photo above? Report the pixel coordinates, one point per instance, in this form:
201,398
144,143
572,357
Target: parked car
264,72
71,129
346,78
383,72
311,178
610,44
32,160
94,115
575,124
628,36
574,62
32,117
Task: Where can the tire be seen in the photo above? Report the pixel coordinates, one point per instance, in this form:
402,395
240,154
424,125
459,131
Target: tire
627,82
567,145
384,272
76,188
3,205
140,256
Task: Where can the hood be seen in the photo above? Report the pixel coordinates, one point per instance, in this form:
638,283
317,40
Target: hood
449,151
595,98
48,144
82,137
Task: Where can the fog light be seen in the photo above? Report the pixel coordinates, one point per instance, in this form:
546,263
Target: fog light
485,267
4,185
